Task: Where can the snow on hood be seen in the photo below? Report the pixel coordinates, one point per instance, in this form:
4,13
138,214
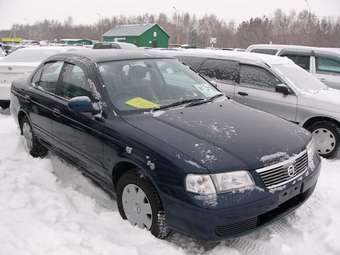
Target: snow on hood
223,135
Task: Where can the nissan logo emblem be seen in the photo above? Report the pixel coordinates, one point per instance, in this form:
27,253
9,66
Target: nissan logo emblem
291,170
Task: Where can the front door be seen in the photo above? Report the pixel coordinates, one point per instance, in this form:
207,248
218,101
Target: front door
79,134
257,90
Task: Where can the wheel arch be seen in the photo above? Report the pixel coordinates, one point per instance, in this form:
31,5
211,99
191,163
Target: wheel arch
124,166
315,119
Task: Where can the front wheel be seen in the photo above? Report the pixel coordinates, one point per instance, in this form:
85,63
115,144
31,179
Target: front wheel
326,137
139,203
31,143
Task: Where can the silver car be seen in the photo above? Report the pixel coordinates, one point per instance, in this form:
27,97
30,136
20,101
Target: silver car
324,63
275,85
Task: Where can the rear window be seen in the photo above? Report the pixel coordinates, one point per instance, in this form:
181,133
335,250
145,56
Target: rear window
265,51
222,70
327,65
193,62
302,61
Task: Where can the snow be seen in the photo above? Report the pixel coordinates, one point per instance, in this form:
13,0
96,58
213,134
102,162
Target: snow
48,207
274,156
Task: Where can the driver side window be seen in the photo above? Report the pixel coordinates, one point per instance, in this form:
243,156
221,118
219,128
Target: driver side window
258,78
74,82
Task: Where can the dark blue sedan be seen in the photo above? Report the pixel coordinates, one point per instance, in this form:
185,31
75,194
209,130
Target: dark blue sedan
176,153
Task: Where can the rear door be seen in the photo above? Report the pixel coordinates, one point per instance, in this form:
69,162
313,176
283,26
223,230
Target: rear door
257,89
327,69
41,98
223,73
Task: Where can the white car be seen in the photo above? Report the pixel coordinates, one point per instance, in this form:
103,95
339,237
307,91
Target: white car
2,52
323,63
20,63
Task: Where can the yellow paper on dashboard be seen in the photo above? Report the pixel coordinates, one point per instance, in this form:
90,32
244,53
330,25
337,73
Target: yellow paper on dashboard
141,103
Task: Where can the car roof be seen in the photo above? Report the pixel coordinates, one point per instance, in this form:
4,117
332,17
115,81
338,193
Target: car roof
301,48
105,55
59,48
242,57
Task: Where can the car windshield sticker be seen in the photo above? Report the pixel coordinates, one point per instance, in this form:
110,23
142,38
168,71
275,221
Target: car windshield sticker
141,103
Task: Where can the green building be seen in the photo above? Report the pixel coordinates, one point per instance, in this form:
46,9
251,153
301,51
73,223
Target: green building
142,35
77,41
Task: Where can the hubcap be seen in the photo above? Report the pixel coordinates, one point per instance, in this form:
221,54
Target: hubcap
325,141
28,136
136,206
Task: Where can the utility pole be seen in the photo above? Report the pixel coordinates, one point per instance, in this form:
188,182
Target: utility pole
308,6
177,24
100,26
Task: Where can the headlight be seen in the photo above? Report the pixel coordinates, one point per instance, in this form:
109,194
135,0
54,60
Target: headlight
232,181
218,183
199,184
311,153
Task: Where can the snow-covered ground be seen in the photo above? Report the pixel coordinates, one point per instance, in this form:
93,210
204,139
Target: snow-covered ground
48,207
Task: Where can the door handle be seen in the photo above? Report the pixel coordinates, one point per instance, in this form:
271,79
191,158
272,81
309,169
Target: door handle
27,98
244,94
56,112
323,79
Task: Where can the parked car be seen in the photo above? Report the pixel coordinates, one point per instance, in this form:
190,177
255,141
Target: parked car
324,63
275,85
20,63
114,45
2,52
178,156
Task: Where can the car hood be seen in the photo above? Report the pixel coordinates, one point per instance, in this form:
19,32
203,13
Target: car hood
224,135
326,99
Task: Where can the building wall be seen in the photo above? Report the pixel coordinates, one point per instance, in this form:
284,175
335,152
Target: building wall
145,40
79,42
161,39
128,39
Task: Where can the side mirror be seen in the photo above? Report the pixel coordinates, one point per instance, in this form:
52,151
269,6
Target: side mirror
82,104
282,88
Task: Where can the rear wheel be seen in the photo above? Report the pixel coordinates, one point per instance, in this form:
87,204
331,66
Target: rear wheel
31,143
326,137
139,203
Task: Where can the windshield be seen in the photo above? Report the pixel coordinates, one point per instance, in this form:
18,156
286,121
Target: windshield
299,77
30,55
141,85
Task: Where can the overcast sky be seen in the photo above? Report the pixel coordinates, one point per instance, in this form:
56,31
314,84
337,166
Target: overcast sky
89,11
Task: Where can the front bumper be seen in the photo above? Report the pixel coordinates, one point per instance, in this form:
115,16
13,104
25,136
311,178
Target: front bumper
234,214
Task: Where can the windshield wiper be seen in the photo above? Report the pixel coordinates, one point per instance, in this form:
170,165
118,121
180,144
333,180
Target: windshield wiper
210,99
186,101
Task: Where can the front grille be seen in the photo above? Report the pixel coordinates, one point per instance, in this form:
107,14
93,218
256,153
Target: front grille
236,228
283,172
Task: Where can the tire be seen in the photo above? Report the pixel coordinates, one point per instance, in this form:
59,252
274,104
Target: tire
326,135
4,104
31,142
132,180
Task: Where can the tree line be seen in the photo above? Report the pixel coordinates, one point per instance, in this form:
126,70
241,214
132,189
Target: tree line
302,28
